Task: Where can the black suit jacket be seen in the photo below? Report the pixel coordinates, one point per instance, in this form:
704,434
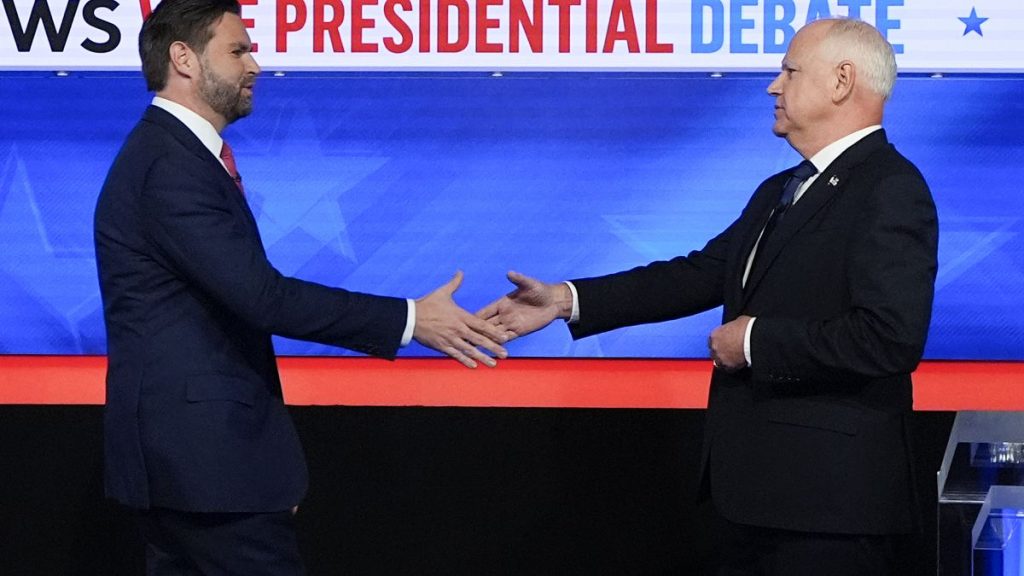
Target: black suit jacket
194,416
813,436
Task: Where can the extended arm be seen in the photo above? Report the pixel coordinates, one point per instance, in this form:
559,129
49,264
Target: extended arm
200,235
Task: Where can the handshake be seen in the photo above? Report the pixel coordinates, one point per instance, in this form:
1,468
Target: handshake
442,325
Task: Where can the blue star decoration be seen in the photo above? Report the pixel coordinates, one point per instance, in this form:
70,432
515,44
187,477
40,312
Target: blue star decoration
973,23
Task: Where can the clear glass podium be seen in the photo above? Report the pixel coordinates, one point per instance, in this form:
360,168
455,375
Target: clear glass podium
981,496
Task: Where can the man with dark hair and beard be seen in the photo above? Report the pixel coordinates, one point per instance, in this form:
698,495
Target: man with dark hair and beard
197,437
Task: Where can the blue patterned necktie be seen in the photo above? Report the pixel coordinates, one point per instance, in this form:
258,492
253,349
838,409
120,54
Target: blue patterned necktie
802,172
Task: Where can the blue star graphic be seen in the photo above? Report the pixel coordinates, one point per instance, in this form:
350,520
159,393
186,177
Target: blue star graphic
47,278
973,23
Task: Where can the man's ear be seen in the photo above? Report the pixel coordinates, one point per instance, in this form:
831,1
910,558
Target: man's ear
845,78
183,60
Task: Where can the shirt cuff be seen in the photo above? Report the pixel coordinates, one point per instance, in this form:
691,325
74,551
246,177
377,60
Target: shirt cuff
410,321
575,316
746,340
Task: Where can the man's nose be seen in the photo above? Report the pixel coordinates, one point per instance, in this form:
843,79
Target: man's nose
252,66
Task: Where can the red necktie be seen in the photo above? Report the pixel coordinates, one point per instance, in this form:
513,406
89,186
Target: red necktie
229,162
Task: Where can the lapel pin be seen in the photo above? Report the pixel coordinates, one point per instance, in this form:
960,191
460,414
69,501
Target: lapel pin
833,181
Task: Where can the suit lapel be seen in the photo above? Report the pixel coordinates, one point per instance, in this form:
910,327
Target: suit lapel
754,231
186,138
766,201
829,184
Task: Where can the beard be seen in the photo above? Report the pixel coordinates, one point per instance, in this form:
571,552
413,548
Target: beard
224,97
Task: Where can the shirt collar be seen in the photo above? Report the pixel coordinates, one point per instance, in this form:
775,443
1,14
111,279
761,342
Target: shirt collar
199,126
829,153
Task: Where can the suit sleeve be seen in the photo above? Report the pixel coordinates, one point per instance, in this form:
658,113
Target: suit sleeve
193,225
890,279
663,290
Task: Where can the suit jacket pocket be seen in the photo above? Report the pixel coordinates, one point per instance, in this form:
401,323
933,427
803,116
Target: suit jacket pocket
813,414
222,387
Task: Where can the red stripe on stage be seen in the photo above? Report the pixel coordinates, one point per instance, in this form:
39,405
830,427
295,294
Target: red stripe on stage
529,382
539,383
52,379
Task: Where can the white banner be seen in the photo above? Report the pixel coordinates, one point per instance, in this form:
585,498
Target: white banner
670,35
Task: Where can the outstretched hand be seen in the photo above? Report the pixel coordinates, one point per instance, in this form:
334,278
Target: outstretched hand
442,325
530,307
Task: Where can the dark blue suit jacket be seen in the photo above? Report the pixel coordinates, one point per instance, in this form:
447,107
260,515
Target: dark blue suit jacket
194,417
813,437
